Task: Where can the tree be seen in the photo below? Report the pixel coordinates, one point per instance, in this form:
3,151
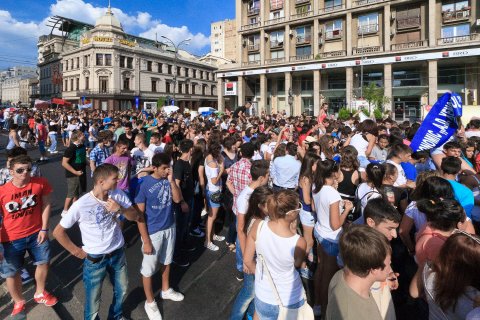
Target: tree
161,102
375,96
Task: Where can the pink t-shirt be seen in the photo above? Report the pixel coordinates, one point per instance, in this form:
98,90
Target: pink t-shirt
124,165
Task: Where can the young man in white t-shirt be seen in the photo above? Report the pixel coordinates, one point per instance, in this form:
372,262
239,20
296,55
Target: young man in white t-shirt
400,153
260,175
156,144
103,250
142,156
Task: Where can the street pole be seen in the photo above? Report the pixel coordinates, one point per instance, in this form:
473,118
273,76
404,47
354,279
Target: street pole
175,62
361,66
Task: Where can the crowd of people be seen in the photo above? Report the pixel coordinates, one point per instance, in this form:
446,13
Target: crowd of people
327,218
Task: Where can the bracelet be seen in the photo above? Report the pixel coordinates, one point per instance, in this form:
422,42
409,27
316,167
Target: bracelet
44,230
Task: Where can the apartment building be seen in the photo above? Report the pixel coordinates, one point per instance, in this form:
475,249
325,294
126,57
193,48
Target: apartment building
296,54
223,39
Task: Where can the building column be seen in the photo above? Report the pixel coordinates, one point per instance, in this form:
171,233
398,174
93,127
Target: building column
240,91
220,92
316,92
288,86
316,36
432,23
263,42
286,42
387,83
262,106
386,28
239,21
432,82
348,30
349,86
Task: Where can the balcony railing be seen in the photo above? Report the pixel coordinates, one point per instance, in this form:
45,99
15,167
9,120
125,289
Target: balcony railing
302,57
304,40
368,28
408,23
253,47
331,8
251,26
453,16
333,34
300,15
371,49
459,39
409,45
274,21
276,5
301,1
107,92
332,54
253,11
364,2
276,44
274,60
251,63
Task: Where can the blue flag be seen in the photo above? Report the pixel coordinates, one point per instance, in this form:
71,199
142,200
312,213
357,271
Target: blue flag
439,124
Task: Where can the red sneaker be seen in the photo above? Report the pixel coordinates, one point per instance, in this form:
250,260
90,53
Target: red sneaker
46,298
18,308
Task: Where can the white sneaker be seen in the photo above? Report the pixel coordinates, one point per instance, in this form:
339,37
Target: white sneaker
211,246
204,213
173,295
152,311
218,238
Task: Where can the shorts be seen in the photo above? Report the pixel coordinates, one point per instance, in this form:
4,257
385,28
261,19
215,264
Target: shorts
75,186
41,147
14,254
270,311
307,218
330,247
212,204
163,243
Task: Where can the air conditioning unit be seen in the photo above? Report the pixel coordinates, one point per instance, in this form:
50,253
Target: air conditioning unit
393,15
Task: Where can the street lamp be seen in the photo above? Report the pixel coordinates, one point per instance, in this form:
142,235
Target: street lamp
175,60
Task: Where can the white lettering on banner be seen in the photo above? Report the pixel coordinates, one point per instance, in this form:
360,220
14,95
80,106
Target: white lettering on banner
459,53
410,58
430,140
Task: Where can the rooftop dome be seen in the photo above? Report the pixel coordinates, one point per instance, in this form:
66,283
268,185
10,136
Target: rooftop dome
109,21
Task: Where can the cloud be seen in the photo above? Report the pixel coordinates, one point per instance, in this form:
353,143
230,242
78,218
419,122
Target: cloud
197,43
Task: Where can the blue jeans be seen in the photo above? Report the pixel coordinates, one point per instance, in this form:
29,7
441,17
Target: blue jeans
244,300
330,247
238,254
53,140
182,221
93,276
268,311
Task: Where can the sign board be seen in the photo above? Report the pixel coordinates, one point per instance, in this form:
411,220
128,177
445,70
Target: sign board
231,88
150,107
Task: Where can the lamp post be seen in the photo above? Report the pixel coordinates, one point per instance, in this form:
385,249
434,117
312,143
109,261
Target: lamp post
175,60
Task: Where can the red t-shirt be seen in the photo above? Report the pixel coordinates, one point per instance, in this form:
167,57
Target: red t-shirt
167,139
41,132
21,208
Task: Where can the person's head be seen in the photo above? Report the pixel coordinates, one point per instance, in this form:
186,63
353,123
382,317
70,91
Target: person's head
452,149
247,150
400,152
139,139
314,147
391,174
284,204
156,138
185,146
292,149
257,205
161,165
121,147
78,137
366,252
248,104
105,176
15,152
382,216
105,137
280,151
349,158
369,126
215,149
383,141
451,165
420,156
128,127
326,169
434,187
469,149
260,171
375,174
309,165
456,268
229,143
20,168
442,214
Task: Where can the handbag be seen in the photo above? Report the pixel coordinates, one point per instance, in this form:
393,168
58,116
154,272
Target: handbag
305,312
216,197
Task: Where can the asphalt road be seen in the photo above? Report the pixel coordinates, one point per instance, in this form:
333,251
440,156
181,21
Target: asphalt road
209,284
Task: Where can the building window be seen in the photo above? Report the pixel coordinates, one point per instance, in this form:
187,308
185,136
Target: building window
85,60
71,84
303,10
186,88
368,23
129,63
276,39
194,73
160,67
77,85
455,6
66,85
201,74
178,71
186,72
180,87
279,54
459,30
276,4
103,84
303,51
169,69
108,59
304,34
333,4
194,88
87,83
408,18
154,85
408,78
99,61
254,57
126,83
122,62
333,30
66,65
149,65
78,62
167,87
253,7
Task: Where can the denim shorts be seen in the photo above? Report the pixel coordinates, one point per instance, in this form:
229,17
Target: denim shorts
212,204
14,254
330,247
307,218
268,311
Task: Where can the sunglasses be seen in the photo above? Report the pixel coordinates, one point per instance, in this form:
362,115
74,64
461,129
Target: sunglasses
22,170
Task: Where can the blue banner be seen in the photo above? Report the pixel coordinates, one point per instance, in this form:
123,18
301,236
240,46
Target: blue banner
439,124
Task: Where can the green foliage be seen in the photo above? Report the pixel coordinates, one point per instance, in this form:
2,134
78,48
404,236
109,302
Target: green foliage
161,102
378,113
375,96
343,114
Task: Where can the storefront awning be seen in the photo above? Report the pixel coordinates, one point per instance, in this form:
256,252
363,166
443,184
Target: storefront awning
333,93
61,102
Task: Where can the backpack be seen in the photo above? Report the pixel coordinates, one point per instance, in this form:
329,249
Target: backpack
357,211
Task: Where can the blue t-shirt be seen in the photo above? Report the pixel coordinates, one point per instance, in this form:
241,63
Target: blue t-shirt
156,194
463,195
410,170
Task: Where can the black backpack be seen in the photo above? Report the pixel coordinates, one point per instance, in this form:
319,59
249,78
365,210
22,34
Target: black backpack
356,212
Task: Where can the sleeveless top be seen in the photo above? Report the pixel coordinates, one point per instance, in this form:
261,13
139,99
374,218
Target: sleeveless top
278,253
305,207
347,188
359,143
212,173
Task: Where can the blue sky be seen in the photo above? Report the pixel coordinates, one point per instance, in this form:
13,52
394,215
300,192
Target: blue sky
22,21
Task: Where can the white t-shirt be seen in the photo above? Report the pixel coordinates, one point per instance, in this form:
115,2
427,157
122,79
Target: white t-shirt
92,133
359,143
71,127
263,149
143,158
157,149
323,199
100,229
271,147
402,178
242,200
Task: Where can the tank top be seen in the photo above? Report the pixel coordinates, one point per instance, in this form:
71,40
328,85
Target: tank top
347,188
11,143
359,143
278,253
306,207
212,173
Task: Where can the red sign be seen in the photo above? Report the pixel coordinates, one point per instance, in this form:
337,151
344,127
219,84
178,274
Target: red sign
428,107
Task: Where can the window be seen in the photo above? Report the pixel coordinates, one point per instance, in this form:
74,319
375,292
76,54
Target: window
253,6
452,75
66,65
277,54
186,72
71,84
129,62
122,62
87,83
332,4
77,85
459,30
408,18
455,6
333,29
86,60
337,81
66,85
180,87
303,51
126,83
103,81
254,57
71,64
276,39
201,74
108,59
303,10
178,71
253,20
186,88
169,69
276,4
194,73
167,87
303,34
99,60
149,65
160,66
78,62
194,88
253,42
154,85
368,23
408,78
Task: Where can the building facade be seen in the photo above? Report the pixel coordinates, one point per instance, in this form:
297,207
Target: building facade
296,54
223,39
28,91
16,90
